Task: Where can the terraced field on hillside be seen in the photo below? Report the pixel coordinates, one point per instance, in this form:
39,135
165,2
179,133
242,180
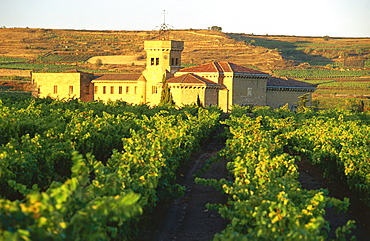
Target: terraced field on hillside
73,46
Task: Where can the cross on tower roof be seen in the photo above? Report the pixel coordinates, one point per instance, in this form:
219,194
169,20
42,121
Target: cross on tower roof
164,27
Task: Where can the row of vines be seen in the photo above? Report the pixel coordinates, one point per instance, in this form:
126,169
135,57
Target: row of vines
321,73
90,171
266,201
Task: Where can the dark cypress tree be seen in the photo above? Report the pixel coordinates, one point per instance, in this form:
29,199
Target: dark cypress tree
199,103
166,95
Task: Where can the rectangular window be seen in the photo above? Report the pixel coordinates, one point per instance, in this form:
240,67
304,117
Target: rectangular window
112,89
154,89
156,61
177,61
104,89
55,89
151,61
249,93
135,90
70,90
96,89
172,61
120,90
127,89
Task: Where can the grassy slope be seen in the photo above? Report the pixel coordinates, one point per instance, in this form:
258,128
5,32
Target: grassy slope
316,51
201,46
73,46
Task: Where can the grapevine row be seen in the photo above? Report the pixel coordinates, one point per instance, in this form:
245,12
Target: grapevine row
321,73
336,140
266,201
340,147
102,198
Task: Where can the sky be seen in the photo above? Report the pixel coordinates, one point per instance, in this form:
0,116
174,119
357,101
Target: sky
334,18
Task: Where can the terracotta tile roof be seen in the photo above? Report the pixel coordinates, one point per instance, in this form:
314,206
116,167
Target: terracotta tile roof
117,77
220,67
287,82
240,69
190,79
210,67
141,78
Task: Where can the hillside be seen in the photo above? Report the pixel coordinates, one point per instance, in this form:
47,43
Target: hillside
315,51
52,50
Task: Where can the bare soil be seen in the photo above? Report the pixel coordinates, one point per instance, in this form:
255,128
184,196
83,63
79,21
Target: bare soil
187,219
312,178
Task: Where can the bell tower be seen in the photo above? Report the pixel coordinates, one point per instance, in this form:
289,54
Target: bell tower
163,58
163,55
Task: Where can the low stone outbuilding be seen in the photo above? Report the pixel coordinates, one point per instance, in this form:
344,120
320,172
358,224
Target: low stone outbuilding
70,84
282,91
187,88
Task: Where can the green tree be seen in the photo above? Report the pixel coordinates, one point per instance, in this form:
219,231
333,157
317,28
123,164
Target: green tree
98,62
302,103
166,95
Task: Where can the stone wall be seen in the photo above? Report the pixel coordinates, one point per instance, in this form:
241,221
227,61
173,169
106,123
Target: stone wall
248,90
128,91
211,97
187,95
278,97
86,87
57,85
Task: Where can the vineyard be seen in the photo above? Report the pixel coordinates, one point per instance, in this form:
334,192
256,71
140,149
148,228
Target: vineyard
266,201
5,60
90,171
321,73
72,170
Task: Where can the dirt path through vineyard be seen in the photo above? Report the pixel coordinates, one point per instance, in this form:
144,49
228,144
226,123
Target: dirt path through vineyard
185,219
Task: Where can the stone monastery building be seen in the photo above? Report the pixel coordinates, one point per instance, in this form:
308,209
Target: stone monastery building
216,83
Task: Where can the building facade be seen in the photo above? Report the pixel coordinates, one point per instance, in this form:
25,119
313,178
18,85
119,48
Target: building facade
71,84
217,83
282,91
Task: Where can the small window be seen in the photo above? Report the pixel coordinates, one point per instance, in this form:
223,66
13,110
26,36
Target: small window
154,89
127,89
135,90
112,89
249,93
172,61
120,90
104,89
151,61
55,89
177,61
156,61
96,89
70,90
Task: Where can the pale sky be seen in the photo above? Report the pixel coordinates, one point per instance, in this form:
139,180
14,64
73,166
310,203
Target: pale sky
335,18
